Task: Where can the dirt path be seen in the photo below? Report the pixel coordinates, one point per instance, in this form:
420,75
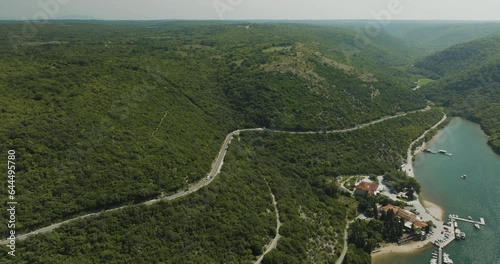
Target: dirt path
272,245
344,251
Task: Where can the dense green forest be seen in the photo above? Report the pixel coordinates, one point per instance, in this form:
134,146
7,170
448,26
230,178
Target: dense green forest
109,113
468,83
232,219
104,114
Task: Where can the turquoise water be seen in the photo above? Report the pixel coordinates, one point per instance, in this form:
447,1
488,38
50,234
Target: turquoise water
476,196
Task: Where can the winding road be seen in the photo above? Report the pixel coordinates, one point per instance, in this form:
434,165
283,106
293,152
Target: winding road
353,128
215,170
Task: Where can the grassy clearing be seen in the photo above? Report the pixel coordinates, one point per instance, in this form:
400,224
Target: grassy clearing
424,81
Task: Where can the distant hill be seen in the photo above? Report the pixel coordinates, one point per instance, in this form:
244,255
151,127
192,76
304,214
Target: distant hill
423,37
468,82
461,58
76,17
435,36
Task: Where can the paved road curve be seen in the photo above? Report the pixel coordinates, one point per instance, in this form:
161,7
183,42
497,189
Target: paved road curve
216,167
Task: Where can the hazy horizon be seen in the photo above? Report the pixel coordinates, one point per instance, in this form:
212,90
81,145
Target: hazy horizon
76,18
401,10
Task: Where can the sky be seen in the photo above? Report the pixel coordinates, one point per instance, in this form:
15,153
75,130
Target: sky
251,9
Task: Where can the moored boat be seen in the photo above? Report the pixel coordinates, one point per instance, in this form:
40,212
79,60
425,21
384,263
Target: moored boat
446,259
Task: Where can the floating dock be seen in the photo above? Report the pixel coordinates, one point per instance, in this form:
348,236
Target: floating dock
481,220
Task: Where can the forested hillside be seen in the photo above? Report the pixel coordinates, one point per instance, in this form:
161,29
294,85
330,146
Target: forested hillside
434,36
109,113
461,58
469,83
232,219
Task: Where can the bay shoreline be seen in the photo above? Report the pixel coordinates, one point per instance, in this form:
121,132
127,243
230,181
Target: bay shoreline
426,209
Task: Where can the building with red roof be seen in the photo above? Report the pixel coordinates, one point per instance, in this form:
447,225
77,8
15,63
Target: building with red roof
365,188
405,215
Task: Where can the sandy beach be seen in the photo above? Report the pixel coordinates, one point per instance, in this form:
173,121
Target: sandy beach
435,210
408,248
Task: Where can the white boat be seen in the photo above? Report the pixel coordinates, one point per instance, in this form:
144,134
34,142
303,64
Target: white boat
463,176
455,224
446,259
476,225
